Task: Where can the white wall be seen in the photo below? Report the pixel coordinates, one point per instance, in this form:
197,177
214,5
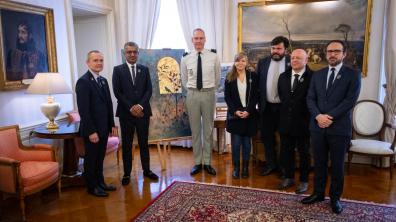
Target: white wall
18,108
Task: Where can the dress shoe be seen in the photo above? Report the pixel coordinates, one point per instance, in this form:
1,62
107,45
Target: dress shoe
98,192
209,169
336,206
312,199
286,183
267,171
106,187
150,175
196,169
125,180
302,188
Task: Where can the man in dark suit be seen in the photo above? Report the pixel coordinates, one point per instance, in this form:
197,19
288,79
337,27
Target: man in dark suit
268,70
333,92
294,119
97,121
132,88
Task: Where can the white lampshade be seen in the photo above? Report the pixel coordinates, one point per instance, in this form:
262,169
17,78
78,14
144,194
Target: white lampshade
49,84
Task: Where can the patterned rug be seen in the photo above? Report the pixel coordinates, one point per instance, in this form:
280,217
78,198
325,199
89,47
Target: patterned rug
188,201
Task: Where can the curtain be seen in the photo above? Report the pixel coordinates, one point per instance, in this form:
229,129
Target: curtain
137,21
214,17
390,66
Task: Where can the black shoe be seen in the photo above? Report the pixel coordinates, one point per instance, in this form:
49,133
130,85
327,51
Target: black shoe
267,171
209,169
245,169
235,173
196,169
312,199
286,183
106,187
125,180
150,175
336,206
98,192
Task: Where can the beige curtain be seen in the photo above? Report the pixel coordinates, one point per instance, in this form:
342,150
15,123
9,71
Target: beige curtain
390,66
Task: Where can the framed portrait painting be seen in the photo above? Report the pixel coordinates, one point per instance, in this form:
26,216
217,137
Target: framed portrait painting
308,24
27,44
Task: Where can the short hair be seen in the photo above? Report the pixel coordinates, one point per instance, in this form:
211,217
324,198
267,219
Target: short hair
131,44
26,25
344,49
280,39
198,29
91,52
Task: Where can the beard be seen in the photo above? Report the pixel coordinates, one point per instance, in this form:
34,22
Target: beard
334,61
277,57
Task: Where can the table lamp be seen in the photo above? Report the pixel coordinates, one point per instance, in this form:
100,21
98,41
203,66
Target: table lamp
49,84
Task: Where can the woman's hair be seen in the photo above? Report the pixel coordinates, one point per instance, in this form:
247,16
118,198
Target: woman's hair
233,74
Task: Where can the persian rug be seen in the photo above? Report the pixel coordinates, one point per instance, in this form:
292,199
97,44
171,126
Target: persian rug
190,201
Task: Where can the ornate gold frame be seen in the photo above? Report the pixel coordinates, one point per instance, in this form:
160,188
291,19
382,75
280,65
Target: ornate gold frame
49,35
259,3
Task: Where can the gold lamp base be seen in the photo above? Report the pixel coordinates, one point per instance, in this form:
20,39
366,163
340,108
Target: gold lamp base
51,109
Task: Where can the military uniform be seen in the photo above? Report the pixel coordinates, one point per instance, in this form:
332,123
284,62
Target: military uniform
201,102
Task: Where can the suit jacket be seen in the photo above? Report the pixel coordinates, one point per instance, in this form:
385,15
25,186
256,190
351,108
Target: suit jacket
244,127
294,114
338,101
129,94
94,106
262,72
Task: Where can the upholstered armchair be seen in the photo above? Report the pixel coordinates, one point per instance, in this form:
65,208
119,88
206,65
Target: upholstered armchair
368,133
113,142
25,170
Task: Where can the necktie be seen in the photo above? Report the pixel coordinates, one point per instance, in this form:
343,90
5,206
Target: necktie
295,82
133,74
199,72
331,78
99,81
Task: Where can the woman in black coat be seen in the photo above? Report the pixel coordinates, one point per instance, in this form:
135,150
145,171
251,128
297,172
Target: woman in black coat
241,96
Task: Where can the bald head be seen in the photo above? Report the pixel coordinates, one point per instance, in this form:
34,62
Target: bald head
299,58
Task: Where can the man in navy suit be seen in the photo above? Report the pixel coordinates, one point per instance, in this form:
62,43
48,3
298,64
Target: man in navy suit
268,70
97,121
333,92
132,88
294,119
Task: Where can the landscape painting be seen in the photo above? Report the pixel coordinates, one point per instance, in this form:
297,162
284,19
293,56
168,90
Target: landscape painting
308,25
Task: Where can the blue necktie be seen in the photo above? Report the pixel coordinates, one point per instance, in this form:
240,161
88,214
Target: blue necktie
331,78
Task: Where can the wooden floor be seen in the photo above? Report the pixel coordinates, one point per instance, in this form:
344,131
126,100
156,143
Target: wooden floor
363,183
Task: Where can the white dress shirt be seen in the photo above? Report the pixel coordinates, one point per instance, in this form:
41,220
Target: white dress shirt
275,68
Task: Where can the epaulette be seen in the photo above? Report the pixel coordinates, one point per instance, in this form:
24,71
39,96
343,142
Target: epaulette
186,53
213,50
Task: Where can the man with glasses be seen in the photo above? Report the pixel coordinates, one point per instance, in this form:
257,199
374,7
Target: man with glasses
333,92
132,88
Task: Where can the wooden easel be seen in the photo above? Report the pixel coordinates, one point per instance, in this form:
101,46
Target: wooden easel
166,148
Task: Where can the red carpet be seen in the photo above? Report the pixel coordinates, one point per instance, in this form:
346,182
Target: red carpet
188,201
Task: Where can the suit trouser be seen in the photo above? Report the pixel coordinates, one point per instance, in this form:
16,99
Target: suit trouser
270,125
323,145
127,133
93,161
200,107
288,145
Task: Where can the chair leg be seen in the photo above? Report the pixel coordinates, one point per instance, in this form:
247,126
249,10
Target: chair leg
118,155
22,204
391,163
59,185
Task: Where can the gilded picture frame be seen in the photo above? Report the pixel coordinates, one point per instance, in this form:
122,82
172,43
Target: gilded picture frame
308,24
27,43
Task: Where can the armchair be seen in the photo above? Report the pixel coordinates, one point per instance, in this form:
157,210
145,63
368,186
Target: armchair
369,125
25,170
113,142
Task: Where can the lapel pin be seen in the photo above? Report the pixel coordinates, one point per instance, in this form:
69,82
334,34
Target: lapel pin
301,80
288,64
138,70
338,77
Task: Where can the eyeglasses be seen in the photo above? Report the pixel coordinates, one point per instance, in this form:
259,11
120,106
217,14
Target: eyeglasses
335,51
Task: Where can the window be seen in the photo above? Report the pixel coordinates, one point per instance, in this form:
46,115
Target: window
169,33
